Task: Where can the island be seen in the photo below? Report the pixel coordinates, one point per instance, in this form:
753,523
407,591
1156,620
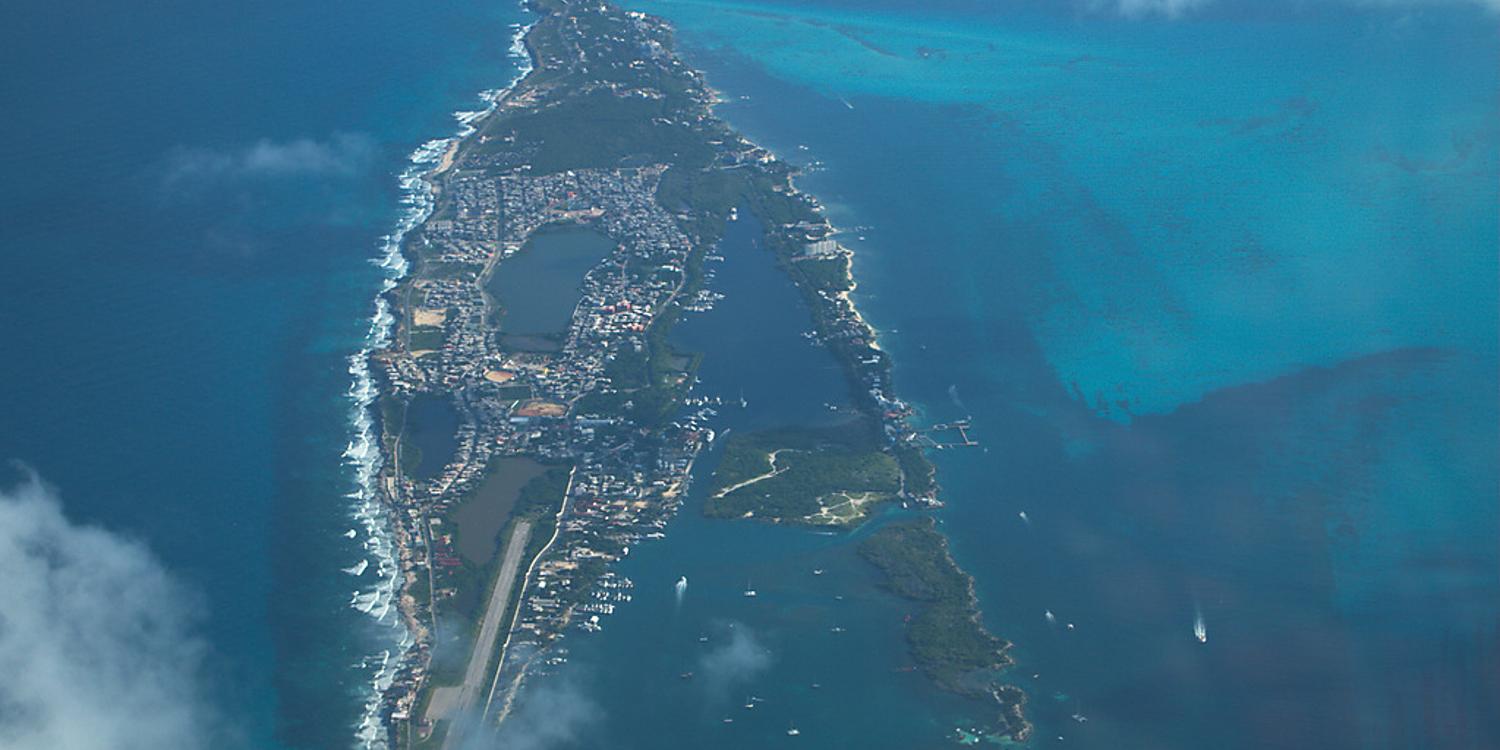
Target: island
535,422
947,639
832,476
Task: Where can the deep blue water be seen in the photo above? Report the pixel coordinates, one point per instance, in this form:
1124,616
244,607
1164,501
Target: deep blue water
191,196
1220,292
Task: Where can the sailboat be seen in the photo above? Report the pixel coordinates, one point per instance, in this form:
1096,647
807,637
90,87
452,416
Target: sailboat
793,731
1200,629
1078,713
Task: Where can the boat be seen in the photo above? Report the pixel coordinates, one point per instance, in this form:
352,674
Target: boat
792,731
817,571
836,629
1200,629
749,590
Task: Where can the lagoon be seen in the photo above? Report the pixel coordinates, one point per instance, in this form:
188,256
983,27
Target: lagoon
538,287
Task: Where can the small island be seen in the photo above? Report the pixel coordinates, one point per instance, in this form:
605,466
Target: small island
946,637
832,476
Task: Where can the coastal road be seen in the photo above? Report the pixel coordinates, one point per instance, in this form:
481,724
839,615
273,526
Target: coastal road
474,685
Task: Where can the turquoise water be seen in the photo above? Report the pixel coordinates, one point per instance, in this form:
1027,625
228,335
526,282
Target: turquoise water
1263,236
1219,292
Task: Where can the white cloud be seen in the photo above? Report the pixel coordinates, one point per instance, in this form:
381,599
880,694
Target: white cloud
734,662
343,155
551,714
96,639
1178,8
1164,8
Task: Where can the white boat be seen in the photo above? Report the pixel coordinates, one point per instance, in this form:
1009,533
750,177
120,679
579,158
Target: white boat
1200,629
792,732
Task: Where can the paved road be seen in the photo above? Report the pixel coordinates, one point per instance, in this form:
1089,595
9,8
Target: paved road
474,684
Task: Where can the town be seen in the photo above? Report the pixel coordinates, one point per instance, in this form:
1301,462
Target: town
610,142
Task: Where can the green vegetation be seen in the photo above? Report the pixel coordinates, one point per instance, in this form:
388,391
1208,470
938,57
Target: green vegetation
825,477
946,637
919,474
425,338
831,274
599,129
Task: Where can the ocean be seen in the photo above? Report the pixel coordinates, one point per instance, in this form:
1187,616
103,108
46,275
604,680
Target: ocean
1217,286
195,201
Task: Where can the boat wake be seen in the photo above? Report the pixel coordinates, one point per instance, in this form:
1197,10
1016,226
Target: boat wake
363,452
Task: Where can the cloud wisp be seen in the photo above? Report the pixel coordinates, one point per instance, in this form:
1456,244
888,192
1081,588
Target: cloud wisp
556,713
343,155
97,644
734,662
1171,9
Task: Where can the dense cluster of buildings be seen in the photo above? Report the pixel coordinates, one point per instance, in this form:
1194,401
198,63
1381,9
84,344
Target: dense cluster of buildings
569,399
522,402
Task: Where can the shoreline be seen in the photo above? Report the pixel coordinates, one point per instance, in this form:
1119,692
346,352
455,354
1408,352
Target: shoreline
375,510
499,147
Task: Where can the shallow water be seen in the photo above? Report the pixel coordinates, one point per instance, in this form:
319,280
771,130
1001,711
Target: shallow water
1219,292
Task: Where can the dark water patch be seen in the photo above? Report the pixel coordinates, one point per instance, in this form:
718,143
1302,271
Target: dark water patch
543,344
481,516
1337,525
538,287
821,646
430,428
751,340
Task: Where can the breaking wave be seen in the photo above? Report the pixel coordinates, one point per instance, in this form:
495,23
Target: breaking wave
363,452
